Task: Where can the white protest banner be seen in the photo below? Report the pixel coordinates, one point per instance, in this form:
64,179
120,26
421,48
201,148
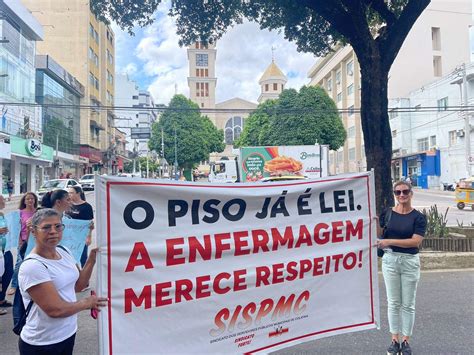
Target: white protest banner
14,228
241,268
74,237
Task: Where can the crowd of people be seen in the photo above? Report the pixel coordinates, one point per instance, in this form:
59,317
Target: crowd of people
45,281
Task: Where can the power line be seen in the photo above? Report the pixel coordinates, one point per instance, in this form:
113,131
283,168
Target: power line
97,109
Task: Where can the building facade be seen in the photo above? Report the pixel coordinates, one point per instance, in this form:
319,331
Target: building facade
272,83
141,114
85,47
436,44
59,95
22,153
432,143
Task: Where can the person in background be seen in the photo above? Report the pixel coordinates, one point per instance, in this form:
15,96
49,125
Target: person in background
7,260
10,187
403,235
28,206
80,209
50,277
58,200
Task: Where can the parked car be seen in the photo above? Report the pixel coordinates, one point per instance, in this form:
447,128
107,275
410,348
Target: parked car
87,182
55,184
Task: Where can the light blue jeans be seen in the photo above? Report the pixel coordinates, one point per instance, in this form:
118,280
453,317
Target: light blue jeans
401,273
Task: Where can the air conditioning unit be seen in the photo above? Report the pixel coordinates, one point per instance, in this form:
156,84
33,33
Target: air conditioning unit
460,133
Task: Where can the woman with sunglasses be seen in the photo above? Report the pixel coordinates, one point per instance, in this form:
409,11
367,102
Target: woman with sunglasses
50,277
404,231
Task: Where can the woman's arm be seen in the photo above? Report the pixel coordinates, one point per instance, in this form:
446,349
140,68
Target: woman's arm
85,273
48,299
413,242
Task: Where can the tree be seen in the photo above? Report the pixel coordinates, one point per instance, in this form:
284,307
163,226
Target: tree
376,30
196,136
295,118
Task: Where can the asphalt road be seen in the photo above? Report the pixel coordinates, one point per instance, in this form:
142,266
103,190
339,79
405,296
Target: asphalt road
443,200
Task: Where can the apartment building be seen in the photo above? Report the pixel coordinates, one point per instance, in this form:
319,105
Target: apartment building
432,143
436,44
141,114
84,47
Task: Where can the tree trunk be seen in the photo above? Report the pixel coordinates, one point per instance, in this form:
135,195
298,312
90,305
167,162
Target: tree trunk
376,127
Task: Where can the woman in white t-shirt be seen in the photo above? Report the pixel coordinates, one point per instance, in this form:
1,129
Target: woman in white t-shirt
50,277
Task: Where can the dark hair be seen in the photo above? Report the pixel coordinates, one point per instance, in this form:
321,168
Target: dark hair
23,198
42,214
79,191
401,182
50,198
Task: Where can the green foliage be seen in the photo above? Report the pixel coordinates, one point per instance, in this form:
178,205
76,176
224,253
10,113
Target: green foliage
295,118
196,136
436,223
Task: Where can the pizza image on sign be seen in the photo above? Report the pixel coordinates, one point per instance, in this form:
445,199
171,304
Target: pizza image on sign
282,165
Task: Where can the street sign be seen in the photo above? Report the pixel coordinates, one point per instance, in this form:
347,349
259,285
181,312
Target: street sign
140,133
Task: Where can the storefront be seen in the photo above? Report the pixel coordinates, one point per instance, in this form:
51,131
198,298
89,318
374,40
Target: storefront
94,156
29,158
423,168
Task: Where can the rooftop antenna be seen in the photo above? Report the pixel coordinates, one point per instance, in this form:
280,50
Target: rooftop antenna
176,88
273,54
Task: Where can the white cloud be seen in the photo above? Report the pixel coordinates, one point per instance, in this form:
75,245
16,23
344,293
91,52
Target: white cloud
130,69
243,54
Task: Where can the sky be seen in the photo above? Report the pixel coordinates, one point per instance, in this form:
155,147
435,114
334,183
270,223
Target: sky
154,60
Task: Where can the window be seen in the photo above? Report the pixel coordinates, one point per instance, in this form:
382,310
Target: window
338,77
437,66
275,86
423,144
352,154
432,142
443,104
329,85
91,79
110,57
351,132
266,87
436,38
350,68
207,89
200,45
453,138
350,89
110,77
197,89
233,129
202,60
394,133
339,97
91,30
135,97
350,110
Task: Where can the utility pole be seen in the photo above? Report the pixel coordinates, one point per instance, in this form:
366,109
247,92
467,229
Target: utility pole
467,125
162,153
175,154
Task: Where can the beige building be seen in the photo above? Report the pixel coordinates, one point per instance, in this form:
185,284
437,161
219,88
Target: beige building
272,83
85,48
437,43
228,115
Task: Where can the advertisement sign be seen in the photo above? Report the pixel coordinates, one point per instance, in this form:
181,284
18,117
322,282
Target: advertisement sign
259,162
33,147
245,268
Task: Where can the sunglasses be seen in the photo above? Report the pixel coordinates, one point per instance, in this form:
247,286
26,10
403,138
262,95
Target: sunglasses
48,227
400,192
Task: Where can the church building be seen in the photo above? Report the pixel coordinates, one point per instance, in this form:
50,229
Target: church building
228,115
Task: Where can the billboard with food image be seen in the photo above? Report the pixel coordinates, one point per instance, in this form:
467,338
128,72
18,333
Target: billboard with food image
305,160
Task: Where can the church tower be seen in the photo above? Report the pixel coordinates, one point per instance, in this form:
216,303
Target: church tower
271,83
202,75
